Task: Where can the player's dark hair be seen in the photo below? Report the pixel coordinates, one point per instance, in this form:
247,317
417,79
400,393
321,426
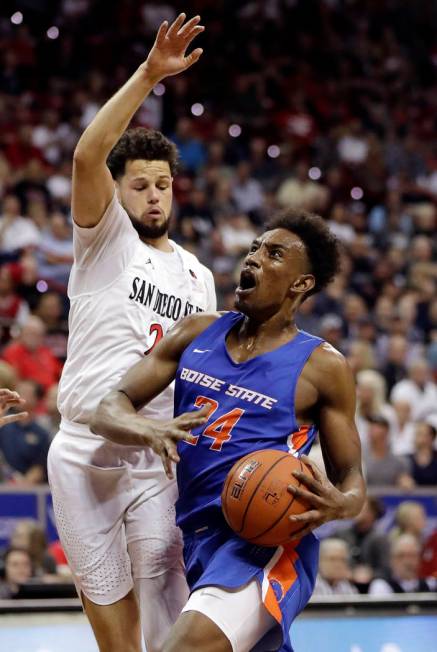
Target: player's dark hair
141,143
322,247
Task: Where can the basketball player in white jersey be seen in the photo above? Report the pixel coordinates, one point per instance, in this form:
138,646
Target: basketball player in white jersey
129,284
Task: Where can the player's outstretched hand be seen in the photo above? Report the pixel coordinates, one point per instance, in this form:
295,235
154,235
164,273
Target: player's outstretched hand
167,435
326,501
10,399
168,55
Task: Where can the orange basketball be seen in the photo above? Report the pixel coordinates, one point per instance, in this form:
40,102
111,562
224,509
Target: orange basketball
255,500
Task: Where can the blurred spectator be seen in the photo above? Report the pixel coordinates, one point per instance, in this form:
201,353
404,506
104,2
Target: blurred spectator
402,429
31,359
29,535
16,232
237,234
429,557
17,565
55,251
418,390
13,309
191,150
423,461
371,401
404,569
25,444
382,468
246,191
301,192
50,420
410,518
50,310
394,368
367,545
334,569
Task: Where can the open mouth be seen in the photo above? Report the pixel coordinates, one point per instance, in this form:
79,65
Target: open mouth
247,282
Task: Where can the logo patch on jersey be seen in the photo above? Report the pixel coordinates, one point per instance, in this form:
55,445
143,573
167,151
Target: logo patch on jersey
201,350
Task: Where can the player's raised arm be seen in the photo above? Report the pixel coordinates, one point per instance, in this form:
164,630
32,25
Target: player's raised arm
342,493
116,417
93,185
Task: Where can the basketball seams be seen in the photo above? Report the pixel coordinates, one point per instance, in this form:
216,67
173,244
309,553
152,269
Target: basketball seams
255,489
281,516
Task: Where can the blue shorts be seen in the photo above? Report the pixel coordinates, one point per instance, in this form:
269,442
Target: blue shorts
218,557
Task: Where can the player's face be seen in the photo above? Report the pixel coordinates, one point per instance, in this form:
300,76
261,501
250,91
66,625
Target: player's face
274,270
145,192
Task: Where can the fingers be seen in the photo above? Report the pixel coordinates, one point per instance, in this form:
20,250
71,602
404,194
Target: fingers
190,420
176,25
12,418
193,57
8,393
169,455
315,486
313,466
162,33
308,496
310,521
311,516
185,30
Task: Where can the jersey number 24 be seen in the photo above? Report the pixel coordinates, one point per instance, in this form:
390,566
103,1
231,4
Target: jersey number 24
219,430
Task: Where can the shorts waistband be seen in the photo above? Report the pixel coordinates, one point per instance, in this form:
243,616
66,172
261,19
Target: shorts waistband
78,429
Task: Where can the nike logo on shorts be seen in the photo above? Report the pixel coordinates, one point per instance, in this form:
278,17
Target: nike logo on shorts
201,350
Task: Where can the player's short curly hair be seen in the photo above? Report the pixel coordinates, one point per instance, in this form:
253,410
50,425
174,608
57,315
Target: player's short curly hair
141,143
322,247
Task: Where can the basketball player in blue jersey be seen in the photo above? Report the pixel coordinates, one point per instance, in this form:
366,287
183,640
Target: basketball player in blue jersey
258,382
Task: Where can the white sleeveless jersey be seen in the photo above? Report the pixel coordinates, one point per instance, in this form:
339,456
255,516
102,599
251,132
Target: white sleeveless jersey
123,298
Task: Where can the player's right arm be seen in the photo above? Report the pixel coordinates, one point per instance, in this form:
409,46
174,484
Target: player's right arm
116,417
93,186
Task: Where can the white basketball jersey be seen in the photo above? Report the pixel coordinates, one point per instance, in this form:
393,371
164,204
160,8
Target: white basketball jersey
124,297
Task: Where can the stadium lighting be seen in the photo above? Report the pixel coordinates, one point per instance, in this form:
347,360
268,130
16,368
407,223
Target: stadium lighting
197,109
234,131
273,151
314,173
53,32
357,193
42,286
159,89
17,18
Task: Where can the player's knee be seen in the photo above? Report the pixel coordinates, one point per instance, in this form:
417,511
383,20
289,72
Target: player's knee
194,631
152,557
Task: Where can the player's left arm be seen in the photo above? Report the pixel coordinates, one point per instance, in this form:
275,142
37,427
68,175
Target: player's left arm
341,493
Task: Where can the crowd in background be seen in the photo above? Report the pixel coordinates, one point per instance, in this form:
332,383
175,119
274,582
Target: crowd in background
329,106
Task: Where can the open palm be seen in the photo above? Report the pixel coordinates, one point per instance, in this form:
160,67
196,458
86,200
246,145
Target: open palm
168,55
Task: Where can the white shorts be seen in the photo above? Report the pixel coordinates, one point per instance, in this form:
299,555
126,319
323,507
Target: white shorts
240,614
114,509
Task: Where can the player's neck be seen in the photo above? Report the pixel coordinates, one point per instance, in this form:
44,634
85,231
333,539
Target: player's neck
162,243
277,326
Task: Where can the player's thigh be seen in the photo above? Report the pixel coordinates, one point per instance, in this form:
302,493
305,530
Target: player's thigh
89,502
154,541
221,620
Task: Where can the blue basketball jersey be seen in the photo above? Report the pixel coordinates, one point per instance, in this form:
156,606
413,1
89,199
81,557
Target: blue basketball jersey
252,408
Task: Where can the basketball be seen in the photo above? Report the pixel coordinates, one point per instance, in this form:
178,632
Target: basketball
255,500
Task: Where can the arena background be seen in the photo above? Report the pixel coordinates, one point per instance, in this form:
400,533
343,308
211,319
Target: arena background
328,105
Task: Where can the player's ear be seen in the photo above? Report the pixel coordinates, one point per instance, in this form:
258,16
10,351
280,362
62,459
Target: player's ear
303,284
